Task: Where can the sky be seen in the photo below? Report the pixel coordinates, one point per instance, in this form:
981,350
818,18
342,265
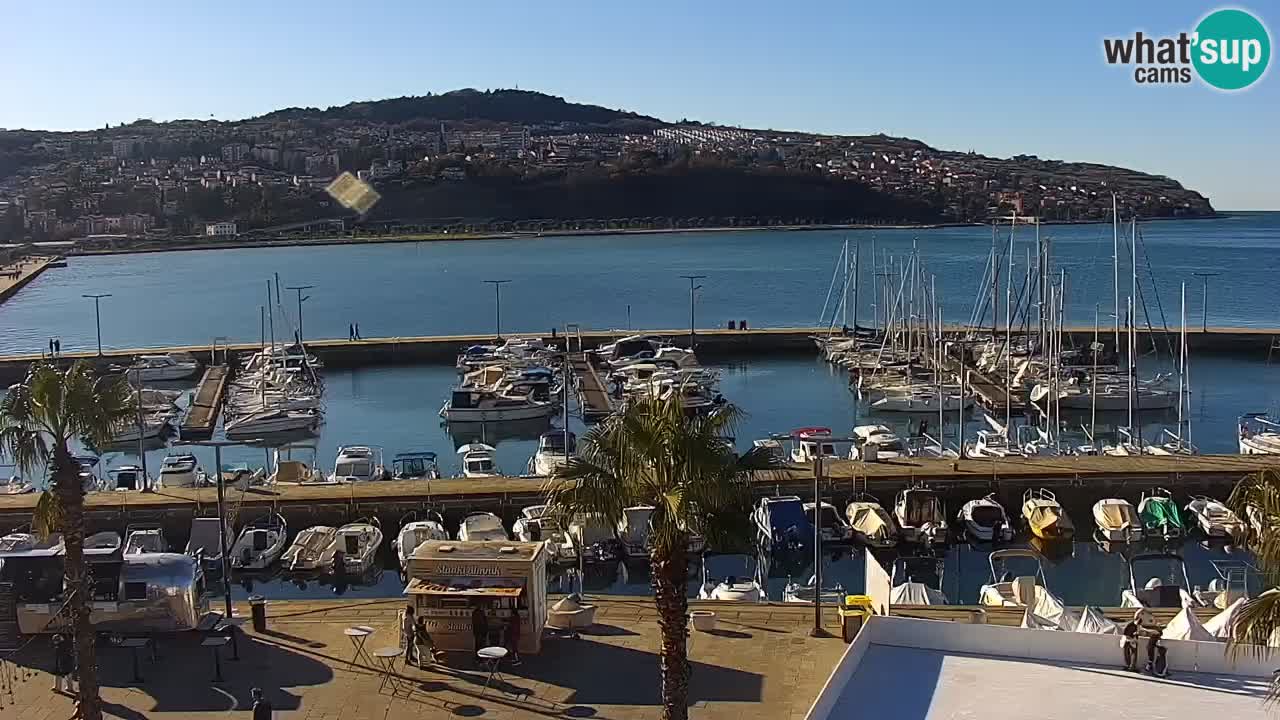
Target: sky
1000,78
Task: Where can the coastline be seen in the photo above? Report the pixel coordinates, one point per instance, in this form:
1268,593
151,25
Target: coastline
445,237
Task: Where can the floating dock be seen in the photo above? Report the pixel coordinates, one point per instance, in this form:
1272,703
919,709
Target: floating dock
206,401
1077,480
593,395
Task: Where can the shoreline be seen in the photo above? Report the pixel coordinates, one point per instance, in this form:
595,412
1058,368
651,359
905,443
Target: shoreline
518,235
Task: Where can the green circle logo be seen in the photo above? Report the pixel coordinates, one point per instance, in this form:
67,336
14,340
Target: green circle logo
1232,49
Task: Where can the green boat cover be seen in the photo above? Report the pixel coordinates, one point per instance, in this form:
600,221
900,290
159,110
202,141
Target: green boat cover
1160,512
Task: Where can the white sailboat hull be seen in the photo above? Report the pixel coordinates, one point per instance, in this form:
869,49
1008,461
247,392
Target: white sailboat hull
522,412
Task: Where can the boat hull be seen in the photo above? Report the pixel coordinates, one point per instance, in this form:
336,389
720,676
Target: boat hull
530,412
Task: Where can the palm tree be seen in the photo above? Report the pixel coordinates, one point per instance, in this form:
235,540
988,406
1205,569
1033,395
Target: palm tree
1256,499
654,454
39,418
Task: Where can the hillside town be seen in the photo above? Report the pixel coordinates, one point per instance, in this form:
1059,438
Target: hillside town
210,179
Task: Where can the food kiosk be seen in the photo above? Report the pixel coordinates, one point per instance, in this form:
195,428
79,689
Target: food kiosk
507,580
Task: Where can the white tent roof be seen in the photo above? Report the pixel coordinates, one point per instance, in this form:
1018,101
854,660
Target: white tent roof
1032,621
1219,625
1093,621
1186,626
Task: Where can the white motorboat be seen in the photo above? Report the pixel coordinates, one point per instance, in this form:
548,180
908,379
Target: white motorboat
271,421
633,530
1117,520
833,527
415,532
920,516
922,401
477,461
724,582
794,592
151,426
203,542
985,520
296,472
15,485
123,478
538,523
773,448
916,580
20,541
312,549
179,471
811,443
1215,519
1045,516
480,405
992,444
552,453
418,465
1259,435
356,546
1009,589
103,543
1170,589
173,366
144,539
260,543
358,463
596,538
781,524
878,442
480,526
871,524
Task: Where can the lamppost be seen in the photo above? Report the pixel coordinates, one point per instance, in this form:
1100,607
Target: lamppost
217,446
1204,308
97,316
692,288
298,289
497,308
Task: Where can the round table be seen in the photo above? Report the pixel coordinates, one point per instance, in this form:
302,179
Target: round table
358,635
489,658
386,659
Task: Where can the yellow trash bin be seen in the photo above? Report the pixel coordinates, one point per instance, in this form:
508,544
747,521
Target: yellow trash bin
853,614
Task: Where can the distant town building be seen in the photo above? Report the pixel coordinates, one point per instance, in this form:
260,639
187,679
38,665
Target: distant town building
220,229
235,152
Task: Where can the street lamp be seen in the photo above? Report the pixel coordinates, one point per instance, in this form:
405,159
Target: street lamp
97,316
1204,308
497,297
217,446
692,288
298,289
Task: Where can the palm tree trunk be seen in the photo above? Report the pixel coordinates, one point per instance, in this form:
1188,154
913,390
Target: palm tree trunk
67,485
669,577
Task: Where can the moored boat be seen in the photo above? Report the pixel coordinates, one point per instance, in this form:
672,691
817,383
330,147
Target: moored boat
1045,516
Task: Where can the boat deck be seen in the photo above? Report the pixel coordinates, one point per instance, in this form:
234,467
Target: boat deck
205,404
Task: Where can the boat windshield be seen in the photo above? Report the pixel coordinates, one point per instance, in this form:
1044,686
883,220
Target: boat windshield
354,468
787,513
411,467
828,516
922,507
987,516
480,465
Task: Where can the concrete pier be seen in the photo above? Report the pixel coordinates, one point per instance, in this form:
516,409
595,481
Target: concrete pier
206,402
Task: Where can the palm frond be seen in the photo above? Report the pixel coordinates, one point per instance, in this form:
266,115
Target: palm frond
48,517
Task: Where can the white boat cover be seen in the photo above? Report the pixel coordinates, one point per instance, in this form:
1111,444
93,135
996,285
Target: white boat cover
1219,625
1117,515
1186,626
914,593
1093,621
1031,621
869,519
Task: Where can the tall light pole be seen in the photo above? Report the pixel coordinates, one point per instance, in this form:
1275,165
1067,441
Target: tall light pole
298,289
1204,308
692,290
497,303
217,446
97,316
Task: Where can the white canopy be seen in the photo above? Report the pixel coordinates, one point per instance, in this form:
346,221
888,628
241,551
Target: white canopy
1031,621
1186,626
1093,621
1219,625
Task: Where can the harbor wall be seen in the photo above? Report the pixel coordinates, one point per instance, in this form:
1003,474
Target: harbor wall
710,344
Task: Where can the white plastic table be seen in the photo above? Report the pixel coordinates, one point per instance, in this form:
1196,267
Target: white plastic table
386,658
358,635
490,658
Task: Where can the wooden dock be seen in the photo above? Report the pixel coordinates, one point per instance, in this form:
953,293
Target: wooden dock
990,391
1077,480
202,417
593,395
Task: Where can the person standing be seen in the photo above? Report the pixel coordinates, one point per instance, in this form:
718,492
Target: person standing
62,662
407,636
479,625
351,331
513,636
57,347
262,708
358,332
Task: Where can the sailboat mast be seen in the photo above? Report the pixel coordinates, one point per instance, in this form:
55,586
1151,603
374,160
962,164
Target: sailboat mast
875,287
1008,332
1182,361
857,277
1093,381
844,303
1133,257
271,319
1115,266
995,282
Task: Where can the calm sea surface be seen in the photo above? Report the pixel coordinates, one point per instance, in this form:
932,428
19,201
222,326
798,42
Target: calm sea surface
767,278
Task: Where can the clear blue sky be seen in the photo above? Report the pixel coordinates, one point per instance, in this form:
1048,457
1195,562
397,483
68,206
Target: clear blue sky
998,77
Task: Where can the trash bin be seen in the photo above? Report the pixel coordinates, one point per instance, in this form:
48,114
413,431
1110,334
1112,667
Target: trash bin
853,614
258,608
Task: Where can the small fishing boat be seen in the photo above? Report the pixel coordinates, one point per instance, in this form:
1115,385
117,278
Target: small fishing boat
1117,521
296,472
871,524
22,541
1169,589
482,405
917,580
1160,516
724,582
1214,518
418,465
811,443
833,528
878,442
553,452
920,516
203,542
103,543
1259,435
595,538
773,449
271,421
356,546
985,520
140,539
15,485
633,530
481,526
150,426
992,444
172,366
312,549
415,532
260,544
179,471
922,401
477,461
794,592
781,524
1009,589
1045,517
358,463
538,523
125,477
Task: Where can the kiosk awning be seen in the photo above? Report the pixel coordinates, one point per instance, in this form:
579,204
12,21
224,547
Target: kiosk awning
461,587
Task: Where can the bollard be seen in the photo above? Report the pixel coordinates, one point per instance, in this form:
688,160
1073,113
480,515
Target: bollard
258,608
